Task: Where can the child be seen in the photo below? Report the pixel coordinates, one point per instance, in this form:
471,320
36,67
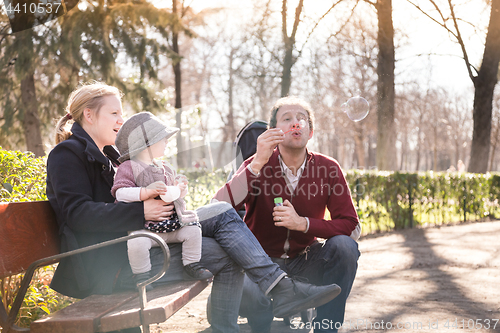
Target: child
141,140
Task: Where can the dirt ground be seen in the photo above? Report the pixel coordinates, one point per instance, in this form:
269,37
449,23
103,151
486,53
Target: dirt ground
437,279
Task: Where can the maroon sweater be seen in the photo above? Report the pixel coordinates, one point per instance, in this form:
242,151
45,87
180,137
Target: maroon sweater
322,186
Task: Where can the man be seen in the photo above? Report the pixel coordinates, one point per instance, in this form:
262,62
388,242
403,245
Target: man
309,183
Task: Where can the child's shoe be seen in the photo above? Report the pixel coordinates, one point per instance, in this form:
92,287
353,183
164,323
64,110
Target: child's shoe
195,271
141,277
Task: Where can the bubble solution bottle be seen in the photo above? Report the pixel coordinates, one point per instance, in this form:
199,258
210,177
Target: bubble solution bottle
278,201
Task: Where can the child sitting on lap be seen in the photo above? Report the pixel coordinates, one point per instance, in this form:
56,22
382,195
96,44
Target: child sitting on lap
141,140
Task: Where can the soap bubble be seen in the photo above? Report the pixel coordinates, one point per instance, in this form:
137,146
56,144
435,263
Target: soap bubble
356,107
302,123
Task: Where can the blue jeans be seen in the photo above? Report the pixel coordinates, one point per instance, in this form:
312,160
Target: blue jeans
334,261
228,248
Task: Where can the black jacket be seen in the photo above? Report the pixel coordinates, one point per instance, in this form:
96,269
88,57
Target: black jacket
79,181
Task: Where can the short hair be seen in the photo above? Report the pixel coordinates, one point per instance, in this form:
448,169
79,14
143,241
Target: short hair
291,100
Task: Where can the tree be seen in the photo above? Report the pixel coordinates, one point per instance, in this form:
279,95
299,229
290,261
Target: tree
386,149
288,53
41,66
24,69
176,27
339,69
289,43
495,140
484,79
484,84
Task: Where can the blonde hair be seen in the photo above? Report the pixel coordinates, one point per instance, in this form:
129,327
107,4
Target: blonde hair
88,96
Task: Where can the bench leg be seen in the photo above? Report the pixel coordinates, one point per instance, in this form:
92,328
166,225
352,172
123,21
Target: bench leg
6,324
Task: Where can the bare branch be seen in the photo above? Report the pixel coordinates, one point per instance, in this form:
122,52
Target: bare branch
343,26
3,33
266,15
184,9
433,19
298,11
456,34
283,21
461,42
438,10
321,18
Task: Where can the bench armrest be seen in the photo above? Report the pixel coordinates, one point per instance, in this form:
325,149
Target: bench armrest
56,258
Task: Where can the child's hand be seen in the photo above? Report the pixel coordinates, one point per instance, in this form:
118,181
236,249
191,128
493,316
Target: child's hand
182,182
153,190
159,186
181,179
182,187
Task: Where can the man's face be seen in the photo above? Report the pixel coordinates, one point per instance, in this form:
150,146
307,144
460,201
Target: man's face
288,116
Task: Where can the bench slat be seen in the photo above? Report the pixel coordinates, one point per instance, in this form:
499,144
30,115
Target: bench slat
82,316
28,232
104,313
163,302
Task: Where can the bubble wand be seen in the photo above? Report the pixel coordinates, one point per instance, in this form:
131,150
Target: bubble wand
297,127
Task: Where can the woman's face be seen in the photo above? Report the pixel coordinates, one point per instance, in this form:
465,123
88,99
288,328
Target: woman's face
107,122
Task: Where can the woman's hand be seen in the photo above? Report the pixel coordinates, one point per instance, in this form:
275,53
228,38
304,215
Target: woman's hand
157,210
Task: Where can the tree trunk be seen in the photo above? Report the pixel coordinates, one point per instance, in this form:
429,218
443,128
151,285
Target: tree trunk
386,148
176,63
403,151
286,79
372,153
230,116
494,145
434,149
289,41
484,85
31,119
359,147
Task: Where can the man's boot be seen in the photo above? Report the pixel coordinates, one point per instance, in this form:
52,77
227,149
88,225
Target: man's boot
291,297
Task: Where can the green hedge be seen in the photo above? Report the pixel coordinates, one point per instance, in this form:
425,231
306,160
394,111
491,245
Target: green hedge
202,186
22,177
394,200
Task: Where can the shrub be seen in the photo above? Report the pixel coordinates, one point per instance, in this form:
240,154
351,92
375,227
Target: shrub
202,186
22,177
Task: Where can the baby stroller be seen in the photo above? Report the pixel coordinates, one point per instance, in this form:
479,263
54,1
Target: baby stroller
244,146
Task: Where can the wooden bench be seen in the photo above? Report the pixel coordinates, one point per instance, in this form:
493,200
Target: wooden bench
29,240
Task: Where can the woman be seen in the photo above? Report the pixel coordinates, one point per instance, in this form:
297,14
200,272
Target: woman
80,172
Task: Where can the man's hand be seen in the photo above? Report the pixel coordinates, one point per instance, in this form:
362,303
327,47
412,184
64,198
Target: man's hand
286,216
157,210
266,143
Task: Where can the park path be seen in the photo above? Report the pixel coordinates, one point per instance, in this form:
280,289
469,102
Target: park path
437,279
